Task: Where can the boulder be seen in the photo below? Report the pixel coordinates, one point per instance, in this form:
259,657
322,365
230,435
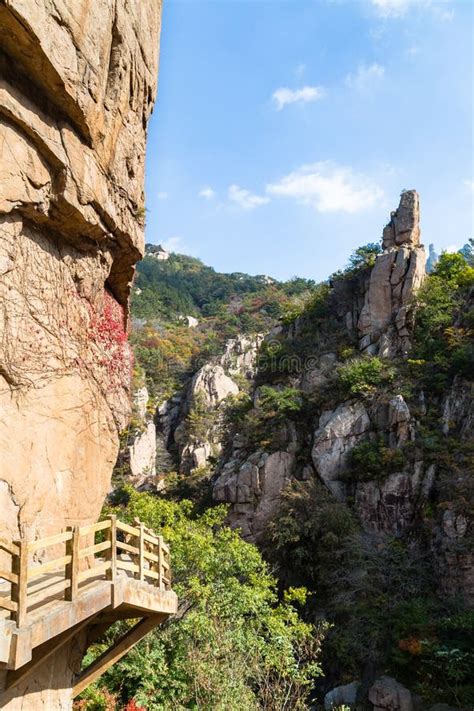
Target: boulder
388,695
342,696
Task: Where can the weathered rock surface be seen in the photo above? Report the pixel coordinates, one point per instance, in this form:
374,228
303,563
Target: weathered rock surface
206,394
254,488
397,274
142,453
388,695
337,435
390,506
240,355
212,385
342,696
452,543
77,85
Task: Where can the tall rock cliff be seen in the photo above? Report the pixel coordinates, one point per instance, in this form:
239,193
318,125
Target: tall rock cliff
77,86
369,310
350,465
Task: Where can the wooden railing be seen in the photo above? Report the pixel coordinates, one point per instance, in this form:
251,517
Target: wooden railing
133,549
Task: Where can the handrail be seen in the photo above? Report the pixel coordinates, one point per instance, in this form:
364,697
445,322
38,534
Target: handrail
134,549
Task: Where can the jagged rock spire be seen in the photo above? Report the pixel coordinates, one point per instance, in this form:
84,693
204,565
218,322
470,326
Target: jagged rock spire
404,225
397,274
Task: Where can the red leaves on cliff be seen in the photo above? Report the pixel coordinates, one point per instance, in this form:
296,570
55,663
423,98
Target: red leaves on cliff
108,331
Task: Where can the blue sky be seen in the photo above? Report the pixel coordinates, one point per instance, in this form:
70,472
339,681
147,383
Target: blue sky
284,130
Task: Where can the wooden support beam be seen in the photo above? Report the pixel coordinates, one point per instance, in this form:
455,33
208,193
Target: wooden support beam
116,652
43,652
19,589
112,555
141,559
72,569
160,562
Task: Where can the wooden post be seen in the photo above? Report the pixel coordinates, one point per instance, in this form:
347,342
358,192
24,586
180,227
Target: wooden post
72,569
141,559
112,572
160,562
20,589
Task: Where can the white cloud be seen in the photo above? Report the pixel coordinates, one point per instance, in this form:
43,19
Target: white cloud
284,96
328,187
207,193
451,248
162,196
173,244
392,8
469,184
365,76
412,51
399,8
245,199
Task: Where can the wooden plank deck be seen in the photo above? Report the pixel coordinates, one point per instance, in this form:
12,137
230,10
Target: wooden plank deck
83,581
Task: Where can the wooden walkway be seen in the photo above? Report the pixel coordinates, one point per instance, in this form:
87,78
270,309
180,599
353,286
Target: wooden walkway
86,576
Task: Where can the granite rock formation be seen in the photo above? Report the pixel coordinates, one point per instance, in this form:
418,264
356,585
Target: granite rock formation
397,274
373,308
77,86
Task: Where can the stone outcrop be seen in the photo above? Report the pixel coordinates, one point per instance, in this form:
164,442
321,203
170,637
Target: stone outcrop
78,81
206,393
337,435
345,695
373,305
254,489
156,251
386,506
142,453
77,86
388,695
212,385
452,543
240,355
397,274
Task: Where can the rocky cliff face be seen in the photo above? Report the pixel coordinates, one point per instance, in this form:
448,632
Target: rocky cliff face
190,423
77,86
78,81
371,310
351,484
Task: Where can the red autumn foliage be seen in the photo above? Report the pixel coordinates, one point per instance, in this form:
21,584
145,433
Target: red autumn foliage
108,331
132,706
412,645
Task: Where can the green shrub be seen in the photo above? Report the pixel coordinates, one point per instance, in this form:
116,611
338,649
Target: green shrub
362,376
373,460
364,256
444,322
279,403
234,644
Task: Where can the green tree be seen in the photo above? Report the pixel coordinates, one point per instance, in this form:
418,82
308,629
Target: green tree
234,643
362,376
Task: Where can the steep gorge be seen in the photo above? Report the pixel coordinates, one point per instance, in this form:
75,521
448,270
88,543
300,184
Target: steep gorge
345,452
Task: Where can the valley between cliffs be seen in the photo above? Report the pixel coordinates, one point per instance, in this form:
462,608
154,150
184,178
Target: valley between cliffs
334,421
